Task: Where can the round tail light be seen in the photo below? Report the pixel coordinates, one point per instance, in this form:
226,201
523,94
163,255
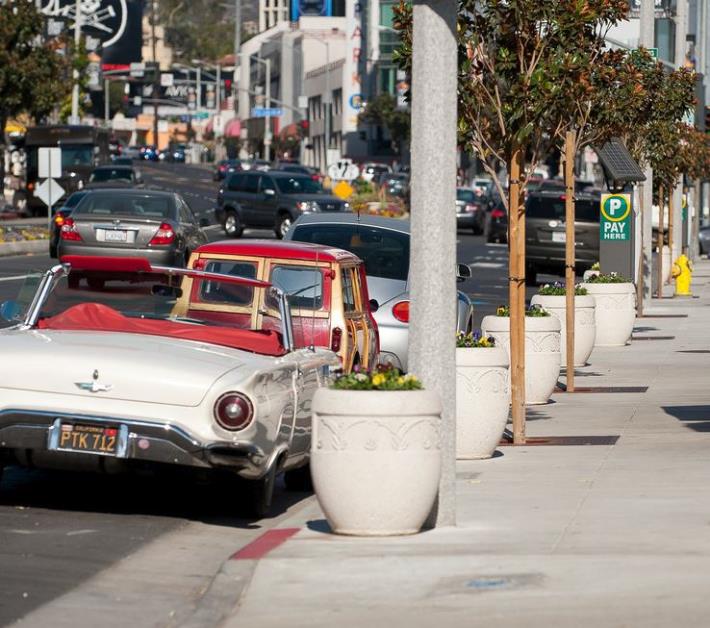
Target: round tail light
401,311
233,411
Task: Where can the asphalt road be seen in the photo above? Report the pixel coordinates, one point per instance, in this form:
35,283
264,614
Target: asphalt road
58,530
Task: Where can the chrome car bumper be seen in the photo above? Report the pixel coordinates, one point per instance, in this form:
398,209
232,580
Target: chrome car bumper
31,436
164,256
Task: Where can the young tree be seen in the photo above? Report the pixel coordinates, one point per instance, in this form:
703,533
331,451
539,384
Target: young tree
382,110
31,72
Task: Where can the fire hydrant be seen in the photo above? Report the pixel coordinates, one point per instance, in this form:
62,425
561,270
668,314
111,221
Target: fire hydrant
682,273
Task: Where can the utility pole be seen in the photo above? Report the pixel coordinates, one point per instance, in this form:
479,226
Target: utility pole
75,74
267,119
647,40
218,90
237,51
156,73
432,327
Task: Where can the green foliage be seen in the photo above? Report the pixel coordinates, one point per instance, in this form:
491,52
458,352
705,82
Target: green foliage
558,289
382,378
534,311
474,340
383,110
32,74
610,278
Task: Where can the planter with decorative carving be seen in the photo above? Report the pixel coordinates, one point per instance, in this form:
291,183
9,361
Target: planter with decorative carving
482,400
376,459
542,352
584,326
614,312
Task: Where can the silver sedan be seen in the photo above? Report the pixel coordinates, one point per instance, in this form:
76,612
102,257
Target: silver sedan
383,244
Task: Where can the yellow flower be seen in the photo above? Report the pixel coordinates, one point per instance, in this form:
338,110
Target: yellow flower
378,379
400,380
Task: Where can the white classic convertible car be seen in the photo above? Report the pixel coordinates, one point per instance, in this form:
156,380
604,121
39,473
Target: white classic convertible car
106,368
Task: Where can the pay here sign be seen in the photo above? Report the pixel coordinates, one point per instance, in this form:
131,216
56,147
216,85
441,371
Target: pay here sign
615,219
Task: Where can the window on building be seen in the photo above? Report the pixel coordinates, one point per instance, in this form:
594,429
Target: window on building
337,101
388,79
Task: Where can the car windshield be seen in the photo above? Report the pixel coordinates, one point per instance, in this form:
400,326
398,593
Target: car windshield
298,185
468,196
97,205
110,174
553,208
77,155
384,251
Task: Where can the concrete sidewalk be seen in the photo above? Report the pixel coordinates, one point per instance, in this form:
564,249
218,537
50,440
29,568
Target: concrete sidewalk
564,535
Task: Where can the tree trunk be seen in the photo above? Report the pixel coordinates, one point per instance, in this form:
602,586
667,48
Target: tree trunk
570,150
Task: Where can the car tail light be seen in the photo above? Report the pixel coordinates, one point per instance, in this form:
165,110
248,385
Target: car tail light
30,186
497,213
401,311
164,235
233,411
335,339
59,219
69,231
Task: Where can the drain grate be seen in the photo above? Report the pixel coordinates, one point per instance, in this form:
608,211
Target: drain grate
602,389
562,441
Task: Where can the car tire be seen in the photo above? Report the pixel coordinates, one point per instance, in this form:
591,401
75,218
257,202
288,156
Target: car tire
262,493
283,224
299,480
530,275
232,225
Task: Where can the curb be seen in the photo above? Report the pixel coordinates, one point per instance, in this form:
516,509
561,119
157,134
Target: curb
24,247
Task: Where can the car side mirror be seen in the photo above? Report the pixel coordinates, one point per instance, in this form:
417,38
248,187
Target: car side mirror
269,192
204,222
463,272
10,311
374,305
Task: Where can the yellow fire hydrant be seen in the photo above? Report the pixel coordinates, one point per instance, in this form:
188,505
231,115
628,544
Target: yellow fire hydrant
682,273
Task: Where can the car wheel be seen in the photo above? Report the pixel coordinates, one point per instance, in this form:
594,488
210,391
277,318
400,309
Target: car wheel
262,493
299,480
232,225
283,224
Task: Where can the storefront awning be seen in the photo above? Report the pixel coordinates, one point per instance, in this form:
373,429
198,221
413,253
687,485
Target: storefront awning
233,128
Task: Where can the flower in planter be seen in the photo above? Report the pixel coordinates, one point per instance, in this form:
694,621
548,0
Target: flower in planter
474,340
384,377
610,278
595,266
558,289
535,311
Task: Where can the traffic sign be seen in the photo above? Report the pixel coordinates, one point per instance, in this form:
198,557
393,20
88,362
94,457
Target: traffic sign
615,219
266,112
137,70
343,170
49,192
50,162
343,190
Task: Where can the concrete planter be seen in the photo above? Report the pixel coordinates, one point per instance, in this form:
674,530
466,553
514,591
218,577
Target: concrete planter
667,264
376,459
584,325
482,400
614,312
542,352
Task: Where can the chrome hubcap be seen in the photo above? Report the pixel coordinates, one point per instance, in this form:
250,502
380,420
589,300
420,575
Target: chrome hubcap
230,223
285,226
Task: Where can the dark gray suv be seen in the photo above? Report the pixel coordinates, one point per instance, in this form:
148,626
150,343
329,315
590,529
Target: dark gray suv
270,199
545,235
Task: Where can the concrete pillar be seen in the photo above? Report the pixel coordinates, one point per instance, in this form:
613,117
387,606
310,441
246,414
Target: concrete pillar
432,325
647,39
681,33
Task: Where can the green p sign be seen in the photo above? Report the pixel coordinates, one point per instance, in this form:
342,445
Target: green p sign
615,220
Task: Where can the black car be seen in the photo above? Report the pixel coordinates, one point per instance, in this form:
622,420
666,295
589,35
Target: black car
270,199
111,176
60,213
225,167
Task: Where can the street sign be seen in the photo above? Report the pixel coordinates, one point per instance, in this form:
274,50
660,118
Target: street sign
50,162
49,192
167,79
137,70
343,170
654,53
266,112
615,219
343,190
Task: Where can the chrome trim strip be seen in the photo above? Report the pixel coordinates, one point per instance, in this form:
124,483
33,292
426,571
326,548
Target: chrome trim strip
43,291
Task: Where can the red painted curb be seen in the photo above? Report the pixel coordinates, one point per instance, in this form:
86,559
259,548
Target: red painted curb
263,544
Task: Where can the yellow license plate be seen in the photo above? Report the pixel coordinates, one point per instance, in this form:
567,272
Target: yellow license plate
93,439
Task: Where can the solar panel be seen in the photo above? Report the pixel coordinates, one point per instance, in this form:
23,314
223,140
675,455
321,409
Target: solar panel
618,163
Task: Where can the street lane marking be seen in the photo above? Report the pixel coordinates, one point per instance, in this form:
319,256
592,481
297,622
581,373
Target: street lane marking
14,278
263,544
487,264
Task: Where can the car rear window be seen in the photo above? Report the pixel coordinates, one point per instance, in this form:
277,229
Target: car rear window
117,204
226,293
110,174
553,208
384,251
298,185
465,195
302,284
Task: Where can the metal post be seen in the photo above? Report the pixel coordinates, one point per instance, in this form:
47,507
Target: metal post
237,51
156,73
267,119
432,327
198,88
107,100
570,150
328,102
77,44
218,90
660,242
647,39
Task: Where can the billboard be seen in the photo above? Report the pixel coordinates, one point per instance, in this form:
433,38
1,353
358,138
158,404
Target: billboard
111,28
323,8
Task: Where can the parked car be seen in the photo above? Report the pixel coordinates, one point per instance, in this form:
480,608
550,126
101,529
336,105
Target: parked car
108,379
150,153
225,167
327,292
175,153
132,152
468,208
122,161
115,175
481,187
396,185
61,213
157,225
273,200
545,233
370,171
256,164
383,245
